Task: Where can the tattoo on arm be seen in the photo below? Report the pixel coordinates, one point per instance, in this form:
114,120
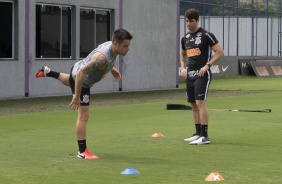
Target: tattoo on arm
97,62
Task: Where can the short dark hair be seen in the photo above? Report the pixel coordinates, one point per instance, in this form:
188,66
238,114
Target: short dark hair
192,13
121,34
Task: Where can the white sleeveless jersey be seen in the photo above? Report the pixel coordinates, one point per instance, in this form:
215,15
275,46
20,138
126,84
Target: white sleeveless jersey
96,75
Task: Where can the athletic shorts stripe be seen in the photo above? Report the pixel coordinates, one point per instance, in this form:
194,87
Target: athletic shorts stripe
208,84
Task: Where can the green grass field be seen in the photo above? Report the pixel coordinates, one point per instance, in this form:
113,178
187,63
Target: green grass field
40,147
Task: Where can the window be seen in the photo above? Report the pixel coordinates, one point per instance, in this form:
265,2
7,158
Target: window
53,31
94,29
6,30
102,28
87,31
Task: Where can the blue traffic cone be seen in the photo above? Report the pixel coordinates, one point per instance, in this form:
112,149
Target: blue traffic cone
129,171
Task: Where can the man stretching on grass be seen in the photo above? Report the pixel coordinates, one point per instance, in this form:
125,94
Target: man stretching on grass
84,74
197,46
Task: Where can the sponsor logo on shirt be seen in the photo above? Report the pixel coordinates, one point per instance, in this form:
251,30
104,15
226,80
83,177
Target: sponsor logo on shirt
193,52
199,34
198,40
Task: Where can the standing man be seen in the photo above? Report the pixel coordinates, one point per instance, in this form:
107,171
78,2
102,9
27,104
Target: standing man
197,46
84,74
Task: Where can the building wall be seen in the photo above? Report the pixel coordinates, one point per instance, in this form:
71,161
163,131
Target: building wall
150,64
12,71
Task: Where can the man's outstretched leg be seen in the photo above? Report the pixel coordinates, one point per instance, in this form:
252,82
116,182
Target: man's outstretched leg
44,71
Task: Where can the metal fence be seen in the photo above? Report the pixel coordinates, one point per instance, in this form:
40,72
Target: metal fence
243,27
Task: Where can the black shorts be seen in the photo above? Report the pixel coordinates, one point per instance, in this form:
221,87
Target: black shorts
197,87
85,92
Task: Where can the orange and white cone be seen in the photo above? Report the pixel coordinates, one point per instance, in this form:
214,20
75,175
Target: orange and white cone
157,135
214,176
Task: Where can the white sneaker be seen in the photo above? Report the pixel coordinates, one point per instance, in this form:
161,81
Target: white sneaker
193,138
201,140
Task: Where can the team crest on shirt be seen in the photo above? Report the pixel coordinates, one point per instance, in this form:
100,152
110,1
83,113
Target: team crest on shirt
85,99
198,40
